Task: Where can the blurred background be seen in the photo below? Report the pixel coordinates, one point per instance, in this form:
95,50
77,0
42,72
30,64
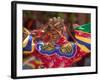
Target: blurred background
34,19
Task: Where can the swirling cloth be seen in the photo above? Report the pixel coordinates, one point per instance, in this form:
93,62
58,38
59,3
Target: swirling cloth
54,56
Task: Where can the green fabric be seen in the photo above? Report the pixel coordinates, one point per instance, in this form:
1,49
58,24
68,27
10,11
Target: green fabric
85,28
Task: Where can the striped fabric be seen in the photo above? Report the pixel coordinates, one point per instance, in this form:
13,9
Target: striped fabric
83,36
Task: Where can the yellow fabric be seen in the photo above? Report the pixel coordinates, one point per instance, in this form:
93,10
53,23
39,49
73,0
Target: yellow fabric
87,40
84,48
25,41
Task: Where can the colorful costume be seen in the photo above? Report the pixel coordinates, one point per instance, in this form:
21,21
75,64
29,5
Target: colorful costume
62,53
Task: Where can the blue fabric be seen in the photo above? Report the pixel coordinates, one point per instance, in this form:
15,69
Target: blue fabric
84,43
57,50
29,44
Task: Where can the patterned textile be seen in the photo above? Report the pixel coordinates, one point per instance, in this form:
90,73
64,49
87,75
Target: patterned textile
47,55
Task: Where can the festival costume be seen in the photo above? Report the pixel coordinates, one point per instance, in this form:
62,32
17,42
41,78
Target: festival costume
62,53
